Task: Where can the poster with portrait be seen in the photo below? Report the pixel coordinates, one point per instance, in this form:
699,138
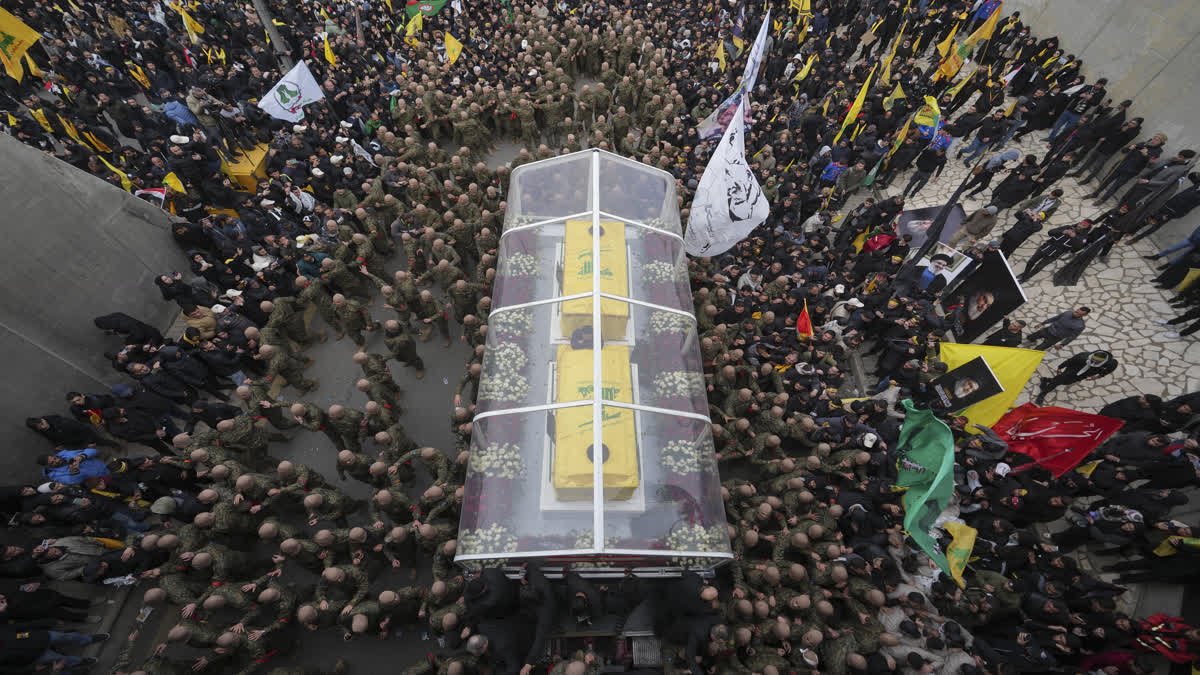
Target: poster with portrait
950,269
964,386
983,298
917,222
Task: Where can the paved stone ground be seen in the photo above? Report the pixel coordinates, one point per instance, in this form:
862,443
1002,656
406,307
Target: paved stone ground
1124,303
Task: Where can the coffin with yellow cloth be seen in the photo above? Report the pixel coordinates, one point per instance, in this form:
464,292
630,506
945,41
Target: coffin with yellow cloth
577,277
573,451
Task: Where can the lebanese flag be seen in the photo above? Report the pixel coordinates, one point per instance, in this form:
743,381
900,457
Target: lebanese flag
1056,438
804,328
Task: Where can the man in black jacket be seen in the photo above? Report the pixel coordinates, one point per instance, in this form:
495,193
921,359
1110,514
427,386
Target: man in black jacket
1080,367
929,164
1059,242
66,432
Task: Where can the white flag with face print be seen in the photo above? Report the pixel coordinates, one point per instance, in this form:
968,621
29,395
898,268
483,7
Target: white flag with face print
729,202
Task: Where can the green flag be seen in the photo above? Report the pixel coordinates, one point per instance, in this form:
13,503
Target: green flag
926,467
426,7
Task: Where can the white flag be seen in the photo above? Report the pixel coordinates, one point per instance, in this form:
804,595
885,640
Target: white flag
156,14
287,98
729,202
714,125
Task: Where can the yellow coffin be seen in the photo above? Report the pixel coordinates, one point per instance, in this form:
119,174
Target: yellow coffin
248,168
577,277
573,438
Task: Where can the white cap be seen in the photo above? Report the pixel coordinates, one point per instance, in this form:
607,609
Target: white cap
348,171
44,488
341,139
346,124
233,293
299,128
267,202
1003,469
180,140
317,173
839,289
218,309
855,302
336,158
869,440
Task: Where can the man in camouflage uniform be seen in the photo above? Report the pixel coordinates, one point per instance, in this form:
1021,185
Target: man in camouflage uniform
279,364
354,319
347,423
402,347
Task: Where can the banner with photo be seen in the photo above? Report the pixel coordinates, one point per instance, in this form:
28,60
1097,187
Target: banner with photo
982,299
963,387
917,222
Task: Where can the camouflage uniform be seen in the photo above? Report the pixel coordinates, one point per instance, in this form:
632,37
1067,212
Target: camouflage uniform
355,578
281,364
316,419
404,349
348,428
317,294
354,318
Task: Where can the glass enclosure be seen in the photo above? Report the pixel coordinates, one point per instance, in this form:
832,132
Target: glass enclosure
592,344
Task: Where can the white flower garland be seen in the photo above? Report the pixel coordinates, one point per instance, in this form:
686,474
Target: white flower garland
494,538
664,323
518,321
503,380
696,537
686,457
678,383
498,460
521,265
659,272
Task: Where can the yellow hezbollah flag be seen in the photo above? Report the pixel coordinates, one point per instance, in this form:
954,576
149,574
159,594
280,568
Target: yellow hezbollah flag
33,67
1012,367
900,139
856,107
887,63
453,47
172,181
721,53
805,70
15,39
415,24
953,91
959,551
329,52
985,31
944,46
896,95
194,28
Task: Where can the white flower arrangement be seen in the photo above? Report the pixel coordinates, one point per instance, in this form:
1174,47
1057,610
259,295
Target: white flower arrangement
498,460
670,323
503,380
660,272
504,387
517,321
678,383
696,537
521,265
685,457
494,538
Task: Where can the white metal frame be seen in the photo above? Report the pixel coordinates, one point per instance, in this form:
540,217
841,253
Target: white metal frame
597,403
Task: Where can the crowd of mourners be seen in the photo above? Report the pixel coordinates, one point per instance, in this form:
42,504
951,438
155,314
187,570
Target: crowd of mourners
167,480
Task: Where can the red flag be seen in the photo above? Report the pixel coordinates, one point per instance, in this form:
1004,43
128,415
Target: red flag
804,327
1057,438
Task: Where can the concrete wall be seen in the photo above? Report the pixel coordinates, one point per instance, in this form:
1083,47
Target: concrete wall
1147,50
75,247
